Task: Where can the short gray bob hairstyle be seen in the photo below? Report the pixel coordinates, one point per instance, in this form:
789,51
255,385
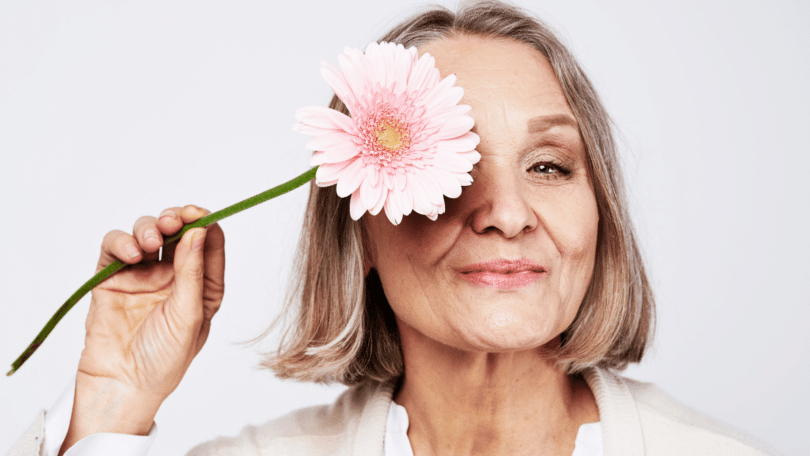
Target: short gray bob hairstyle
339,326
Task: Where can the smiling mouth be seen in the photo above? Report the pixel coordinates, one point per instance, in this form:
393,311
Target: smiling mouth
503,274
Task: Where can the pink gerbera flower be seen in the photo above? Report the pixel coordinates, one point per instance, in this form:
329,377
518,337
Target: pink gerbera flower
407,143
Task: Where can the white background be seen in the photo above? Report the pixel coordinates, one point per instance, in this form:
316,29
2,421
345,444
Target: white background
114,109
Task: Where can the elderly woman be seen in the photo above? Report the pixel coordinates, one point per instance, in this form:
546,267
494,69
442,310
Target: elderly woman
498,328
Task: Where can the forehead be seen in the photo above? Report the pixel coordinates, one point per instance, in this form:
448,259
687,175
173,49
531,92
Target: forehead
500,71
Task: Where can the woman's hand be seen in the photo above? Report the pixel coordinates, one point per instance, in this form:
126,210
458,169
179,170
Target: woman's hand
146,323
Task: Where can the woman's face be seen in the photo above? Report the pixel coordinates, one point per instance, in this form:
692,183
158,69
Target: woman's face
506,267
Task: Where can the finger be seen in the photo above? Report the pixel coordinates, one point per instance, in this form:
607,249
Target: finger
192,213
213,279
213,271
169,222
146,233
118,245
181,216
185,302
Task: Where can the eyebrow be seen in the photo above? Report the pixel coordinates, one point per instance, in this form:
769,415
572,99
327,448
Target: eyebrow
543,123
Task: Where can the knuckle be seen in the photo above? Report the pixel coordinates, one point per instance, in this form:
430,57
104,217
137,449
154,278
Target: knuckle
170,212
196,210
214,289
111,238
195,270
142,222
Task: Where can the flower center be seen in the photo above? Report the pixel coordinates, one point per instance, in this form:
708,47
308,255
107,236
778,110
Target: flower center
387,138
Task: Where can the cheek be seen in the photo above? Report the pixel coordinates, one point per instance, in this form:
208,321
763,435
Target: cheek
408,259
407,256
570,219
575,236
579,241
417,241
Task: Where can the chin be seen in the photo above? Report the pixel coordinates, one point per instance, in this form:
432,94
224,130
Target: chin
505,333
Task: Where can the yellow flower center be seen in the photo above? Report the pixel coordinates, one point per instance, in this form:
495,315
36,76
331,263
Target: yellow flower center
392,136
389,136
386,137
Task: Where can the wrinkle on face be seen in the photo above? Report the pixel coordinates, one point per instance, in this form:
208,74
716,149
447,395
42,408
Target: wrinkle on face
522,118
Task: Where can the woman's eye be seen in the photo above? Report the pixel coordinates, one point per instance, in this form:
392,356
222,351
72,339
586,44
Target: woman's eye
546,169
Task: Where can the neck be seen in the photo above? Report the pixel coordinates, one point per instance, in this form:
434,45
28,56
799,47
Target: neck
514,403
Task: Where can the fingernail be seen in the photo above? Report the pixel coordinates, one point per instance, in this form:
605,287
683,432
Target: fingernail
167,213
198,239
148,234
133,252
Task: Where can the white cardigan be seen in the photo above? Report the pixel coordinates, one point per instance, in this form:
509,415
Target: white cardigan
637,419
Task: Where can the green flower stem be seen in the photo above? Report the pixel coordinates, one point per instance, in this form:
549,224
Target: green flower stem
116,266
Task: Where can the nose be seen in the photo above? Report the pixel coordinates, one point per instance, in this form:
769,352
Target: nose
500,204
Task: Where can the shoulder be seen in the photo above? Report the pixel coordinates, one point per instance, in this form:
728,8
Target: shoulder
674,424
667,426
342,428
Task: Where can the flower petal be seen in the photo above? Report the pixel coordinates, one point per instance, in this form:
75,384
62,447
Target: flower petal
340,152
356,209
421,74
434,192
325,141
380,203
448,183
370,194
403,200
311,131
452,162
421,202
337,81
401,181
455,127
389,65
443,94
440,116
352,71
407,199
392,212
463,178
403,65
375,58
350,178
472,156
321,117
316,159
373,174
464,143
328,174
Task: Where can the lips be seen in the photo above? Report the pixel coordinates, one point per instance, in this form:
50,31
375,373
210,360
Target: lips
503,274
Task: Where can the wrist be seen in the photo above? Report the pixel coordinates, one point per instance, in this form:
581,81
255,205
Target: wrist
103,405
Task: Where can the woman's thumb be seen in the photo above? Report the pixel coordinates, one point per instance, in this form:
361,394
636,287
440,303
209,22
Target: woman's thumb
188,271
